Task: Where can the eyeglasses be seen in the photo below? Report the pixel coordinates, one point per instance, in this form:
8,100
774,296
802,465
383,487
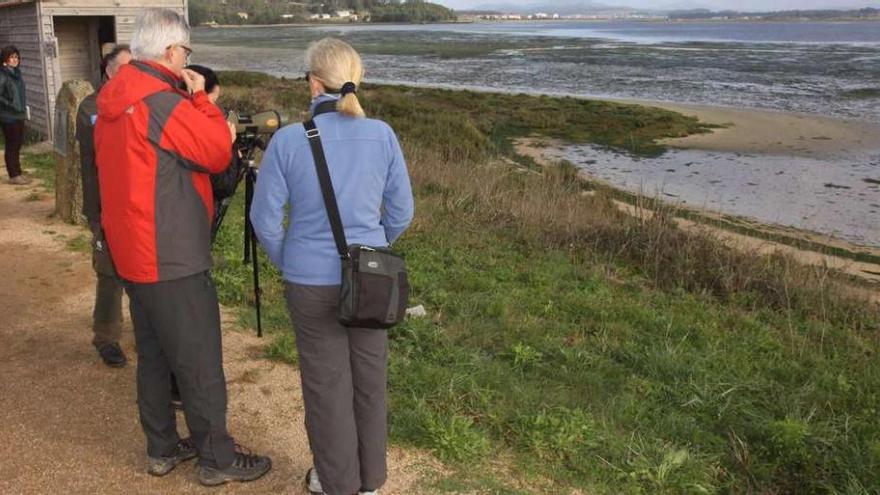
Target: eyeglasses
186,50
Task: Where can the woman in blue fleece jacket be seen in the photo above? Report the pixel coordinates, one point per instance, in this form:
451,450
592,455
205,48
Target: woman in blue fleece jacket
343,369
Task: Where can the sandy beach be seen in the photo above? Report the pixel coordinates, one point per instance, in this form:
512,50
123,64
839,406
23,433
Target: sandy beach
774,135
772,132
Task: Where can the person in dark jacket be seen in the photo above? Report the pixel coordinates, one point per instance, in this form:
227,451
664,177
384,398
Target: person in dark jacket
13,112
223,184
107,315
156,147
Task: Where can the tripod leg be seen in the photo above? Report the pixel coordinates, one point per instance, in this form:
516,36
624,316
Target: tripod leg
258,292
249,236
250,243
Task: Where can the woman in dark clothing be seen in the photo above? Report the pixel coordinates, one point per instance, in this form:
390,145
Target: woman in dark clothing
224,184
13,112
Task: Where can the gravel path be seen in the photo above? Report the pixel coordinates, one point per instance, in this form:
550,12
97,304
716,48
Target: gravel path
68,424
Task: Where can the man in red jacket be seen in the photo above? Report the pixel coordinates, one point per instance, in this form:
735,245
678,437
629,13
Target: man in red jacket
155,147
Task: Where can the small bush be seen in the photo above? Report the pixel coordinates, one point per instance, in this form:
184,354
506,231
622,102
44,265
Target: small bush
454,438
559,433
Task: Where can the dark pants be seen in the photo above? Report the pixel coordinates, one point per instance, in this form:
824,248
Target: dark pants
13,134
177,329
107,315
344,373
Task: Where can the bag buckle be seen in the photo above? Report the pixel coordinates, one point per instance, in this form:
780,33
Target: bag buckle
313,133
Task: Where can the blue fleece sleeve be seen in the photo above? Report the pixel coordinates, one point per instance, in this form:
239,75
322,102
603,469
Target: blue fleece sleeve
398,206
271,195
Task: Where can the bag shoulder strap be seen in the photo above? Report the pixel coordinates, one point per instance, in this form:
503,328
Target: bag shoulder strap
314,137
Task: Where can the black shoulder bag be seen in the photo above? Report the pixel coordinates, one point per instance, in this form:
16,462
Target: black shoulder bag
375,289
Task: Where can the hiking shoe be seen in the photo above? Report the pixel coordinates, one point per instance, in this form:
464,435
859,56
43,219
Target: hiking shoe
183,451
19,180
112,355
313,484
245,467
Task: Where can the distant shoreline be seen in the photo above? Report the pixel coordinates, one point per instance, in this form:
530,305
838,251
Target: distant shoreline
842,20
323,23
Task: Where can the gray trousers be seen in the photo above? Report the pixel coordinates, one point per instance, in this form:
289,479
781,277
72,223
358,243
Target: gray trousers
344,375
107,316
177,329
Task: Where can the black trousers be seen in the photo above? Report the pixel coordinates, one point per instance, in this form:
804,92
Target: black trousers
13,134
177,329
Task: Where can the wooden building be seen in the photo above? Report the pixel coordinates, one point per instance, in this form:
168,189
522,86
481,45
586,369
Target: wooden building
61,40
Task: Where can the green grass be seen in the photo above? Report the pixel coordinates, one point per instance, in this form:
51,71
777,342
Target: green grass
532,354
43,166
81,243
469,125
617,389
593,355
568,346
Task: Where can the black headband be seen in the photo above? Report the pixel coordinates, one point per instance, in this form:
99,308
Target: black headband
347,88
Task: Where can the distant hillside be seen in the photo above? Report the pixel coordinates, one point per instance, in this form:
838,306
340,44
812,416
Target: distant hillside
817,15
285,11
411,11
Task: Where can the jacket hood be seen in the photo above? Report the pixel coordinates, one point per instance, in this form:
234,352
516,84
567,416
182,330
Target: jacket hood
133,83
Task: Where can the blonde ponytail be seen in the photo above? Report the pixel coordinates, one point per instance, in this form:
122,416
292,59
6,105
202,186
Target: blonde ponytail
350,105
335,63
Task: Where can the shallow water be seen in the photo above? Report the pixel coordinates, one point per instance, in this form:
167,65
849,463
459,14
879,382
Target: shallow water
840,198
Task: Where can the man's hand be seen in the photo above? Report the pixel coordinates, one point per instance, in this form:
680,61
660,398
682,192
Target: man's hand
195,82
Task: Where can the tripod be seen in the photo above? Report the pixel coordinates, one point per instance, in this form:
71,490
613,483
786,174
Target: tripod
249,145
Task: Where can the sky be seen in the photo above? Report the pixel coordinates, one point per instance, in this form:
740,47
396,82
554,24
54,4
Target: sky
741,5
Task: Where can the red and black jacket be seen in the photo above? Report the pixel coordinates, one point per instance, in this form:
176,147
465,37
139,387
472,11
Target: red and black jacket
155,148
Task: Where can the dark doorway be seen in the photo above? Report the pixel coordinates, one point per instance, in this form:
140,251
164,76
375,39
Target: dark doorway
106,30
81,41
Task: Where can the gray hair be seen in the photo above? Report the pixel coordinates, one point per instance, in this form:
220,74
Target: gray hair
155,30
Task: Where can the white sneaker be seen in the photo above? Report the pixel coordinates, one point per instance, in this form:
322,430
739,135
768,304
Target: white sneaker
313,484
